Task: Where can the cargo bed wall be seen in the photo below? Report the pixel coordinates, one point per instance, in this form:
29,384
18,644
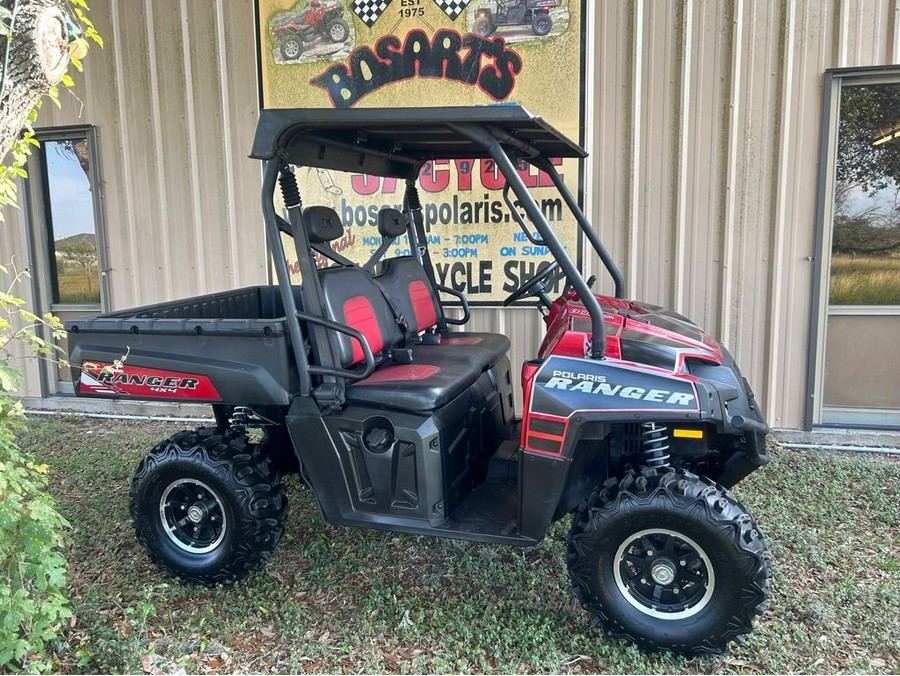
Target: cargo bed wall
230,347
255,302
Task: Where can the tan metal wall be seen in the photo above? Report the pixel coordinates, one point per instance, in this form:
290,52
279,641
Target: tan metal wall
704,119
706,125
173,96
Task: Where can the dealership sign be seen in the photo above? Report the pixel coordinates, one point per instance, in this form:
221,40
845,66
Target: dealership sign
418,53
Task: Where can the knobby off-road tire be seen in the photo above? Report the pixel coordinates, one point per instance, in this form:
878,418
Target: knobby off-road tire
542,25
337,30
208,508
291,48
483,26
641,537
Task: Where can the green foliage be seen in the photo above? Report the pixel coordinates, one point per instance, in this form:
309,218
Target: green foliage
33,605
32,601
13,170
17,324
10,173
863,234
33,578
866,111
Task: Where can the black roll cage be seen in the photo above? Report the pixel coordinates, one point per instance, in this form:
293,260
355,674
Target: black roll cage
310,145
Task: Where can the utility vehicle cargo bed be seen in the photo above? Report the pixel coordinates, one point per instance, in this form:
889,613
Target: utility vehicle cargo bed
230,347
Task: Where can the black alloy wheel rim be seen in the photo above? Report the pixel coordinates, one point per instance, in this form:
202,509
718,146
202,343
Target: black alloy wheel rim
664,574
192,516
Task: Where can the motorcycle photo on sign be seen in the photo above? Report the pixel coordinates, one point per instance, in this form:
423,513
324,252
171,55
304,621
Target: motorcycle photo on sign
518,20
311,30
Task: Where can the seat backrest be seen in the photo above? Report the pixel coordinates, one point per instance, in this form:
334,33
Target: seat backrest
406,285
352,298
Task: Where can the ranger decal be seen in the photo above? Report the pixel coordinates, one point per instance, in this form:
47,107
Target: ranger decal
595,384
143,383
564,385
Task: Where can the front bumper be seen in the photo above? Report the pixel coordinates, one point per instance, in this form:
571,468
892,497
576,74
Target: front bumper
728,403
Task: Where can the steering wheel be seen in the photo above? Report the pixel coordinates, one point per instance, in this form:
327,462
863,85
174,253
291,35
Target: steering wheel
536,283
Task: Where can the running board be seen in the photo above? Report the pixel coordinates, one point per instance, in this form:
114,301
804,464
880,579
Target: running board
490,513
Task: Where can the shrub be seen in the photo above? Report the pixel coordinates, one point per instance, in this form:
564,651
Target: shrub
32,603
32,568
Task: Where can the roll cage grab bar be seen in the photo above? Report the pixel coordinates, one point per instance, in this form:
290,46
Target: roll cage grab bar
493,140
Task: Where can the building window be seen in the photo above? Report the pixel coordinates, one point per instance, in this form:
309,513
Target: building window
855,342
67,257
73,260
865,242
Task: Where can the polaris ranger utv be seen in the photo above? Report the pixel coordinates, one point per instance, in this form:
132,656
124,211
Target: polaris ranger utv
535,13
635,421
318,21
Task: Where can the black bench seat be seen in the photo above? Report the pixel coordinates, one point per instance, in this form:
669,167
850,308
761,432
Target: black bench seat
415,387
405,284
391,311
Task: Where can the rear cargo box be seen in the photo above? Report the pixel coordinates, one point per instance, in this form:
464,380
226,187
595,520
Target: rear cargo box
230,347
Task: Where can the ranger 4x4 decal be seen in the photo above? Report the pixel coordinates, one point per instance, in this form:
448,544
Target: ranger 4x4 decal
133,381
563,386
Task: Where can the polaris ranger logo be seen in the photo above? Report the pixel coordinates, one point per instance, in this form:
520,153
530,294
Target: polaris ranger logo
597,384
171,383
101,378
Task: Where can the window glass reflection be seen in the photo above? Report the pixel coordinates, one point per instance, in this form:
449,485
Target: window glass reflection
74,263
865,253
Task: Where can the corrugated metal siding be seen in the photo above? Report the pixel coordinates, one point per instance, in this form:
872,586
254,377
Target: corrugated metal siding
14,248
173,97
704,119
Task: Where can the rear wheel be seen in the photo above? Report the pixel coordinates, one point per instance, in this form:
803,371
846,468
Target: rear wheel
291,48
542,24
669,561
208,507
337,30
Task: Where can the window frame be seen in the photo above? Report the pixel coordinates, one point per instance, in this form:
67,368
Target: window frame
36,207
833,82
42,190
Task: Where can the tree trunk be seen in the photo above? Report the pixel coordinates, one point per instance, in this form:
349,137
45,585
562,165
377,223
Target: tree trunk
38,59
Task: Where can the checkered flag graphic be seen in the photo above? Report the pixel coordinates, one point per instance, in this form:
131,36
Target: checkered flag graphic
452,8
370,10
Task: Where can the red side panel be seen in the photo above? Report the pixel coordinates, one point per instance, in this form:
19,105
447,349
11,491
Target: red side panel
102,378
423,305
359,314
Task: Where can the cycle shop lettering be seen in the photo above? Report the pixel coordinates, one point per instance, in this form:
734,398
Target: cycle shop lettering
473,60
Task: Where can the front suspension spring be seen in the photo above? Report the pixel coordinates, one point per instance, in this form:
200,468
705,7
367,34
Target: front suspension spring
655,440
240,418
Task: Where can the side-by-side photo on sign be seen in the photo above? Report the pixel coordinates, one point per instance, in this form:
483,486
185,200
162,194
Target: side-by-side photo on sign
422,53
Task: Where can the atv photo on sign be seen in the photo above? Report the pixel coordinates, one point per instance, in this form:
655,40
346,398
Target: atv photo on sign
311,30
635,422
535,14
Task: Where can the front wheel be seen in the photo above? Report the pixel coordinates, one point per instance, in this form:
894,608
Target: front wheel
208,507
542,24
669,561
483,26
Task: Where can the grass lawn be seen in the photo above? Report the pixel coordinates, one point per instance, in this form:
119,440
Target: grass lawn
865,280
342,600
77,287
